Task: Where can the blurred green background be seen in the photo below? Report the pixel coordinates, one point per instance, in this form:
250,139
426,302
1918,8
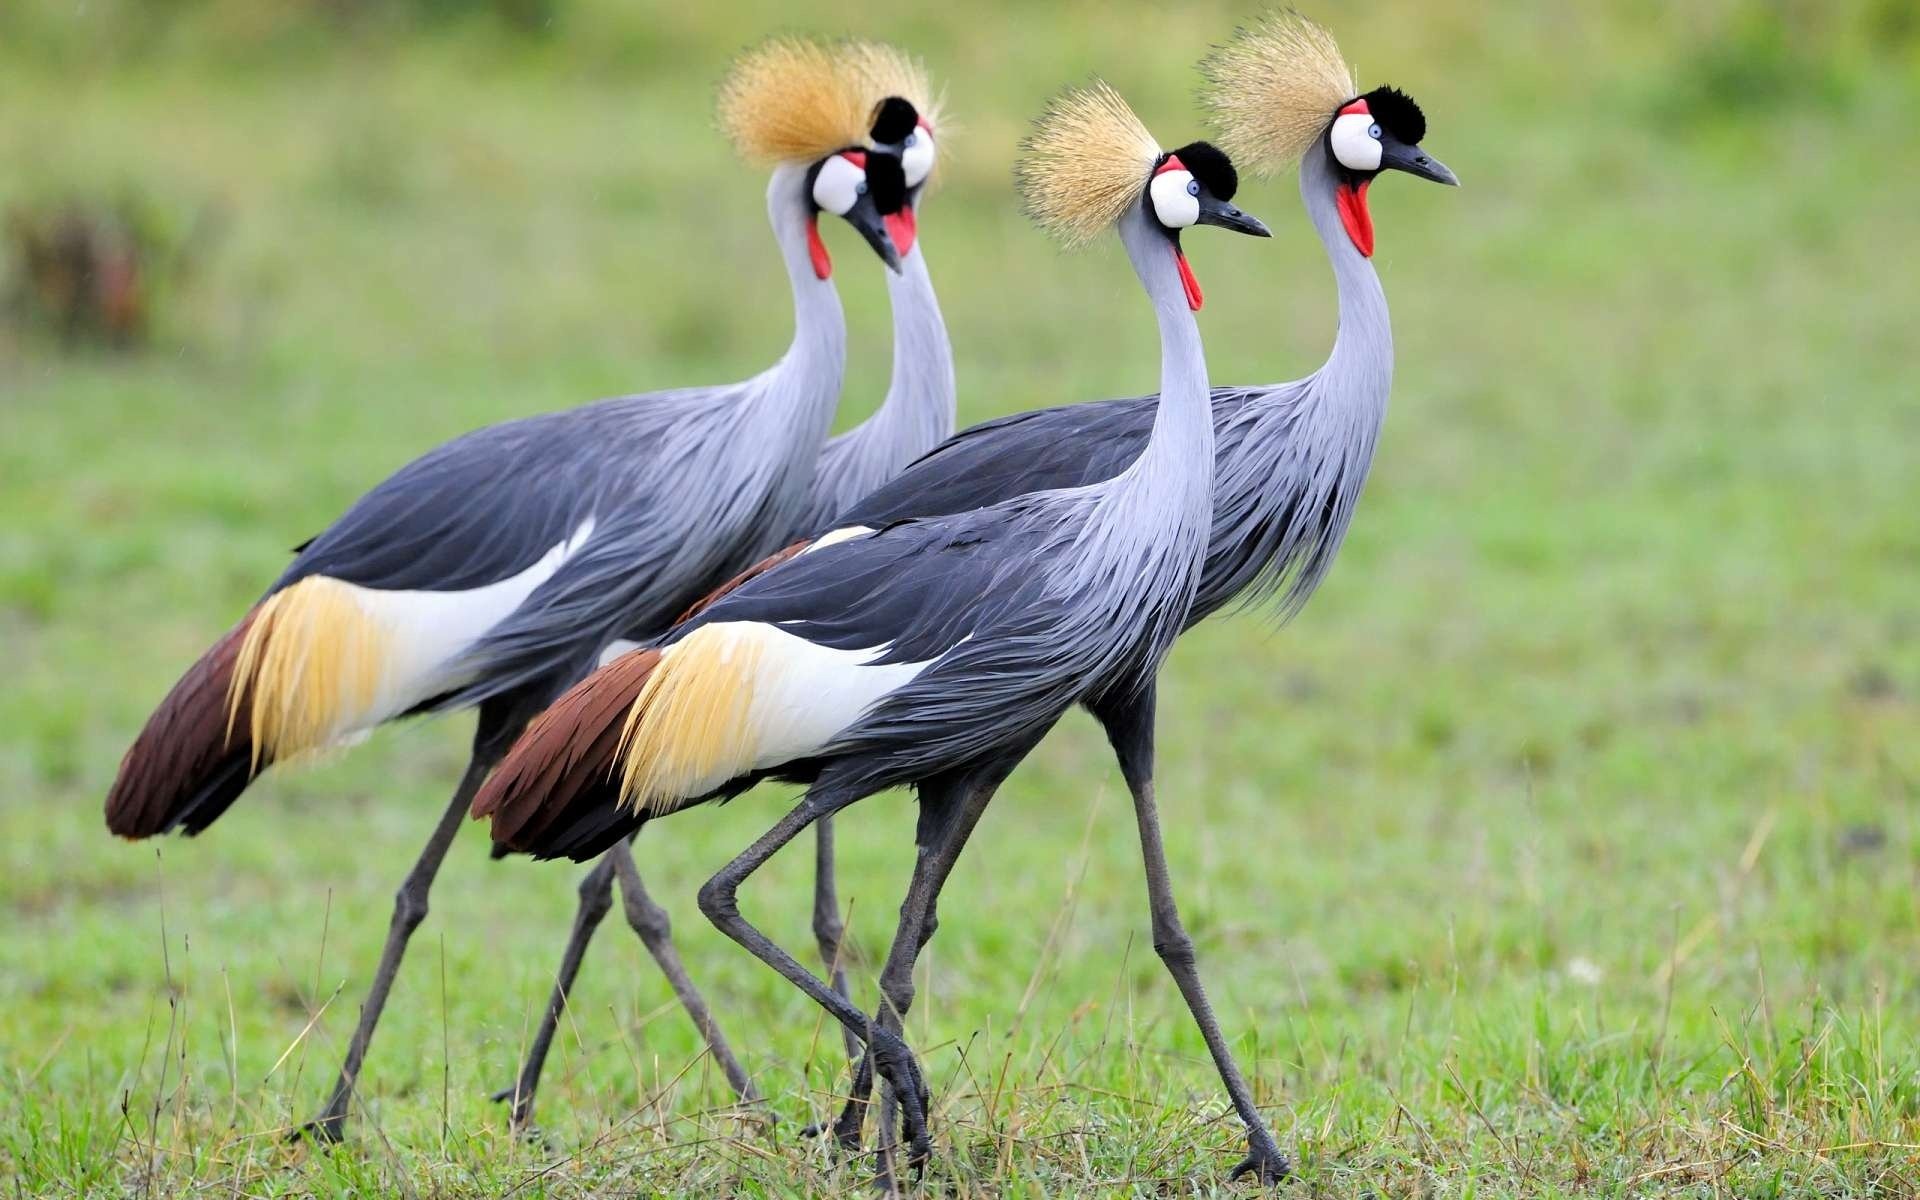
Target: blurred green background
1565,845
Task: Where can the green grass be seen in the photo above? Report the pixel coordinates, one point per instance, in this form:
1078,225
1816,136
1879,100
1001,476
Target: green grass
1566,845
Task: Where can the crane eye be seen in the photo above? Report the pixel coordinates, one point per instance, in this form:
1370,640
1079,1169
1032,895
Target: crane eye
916,157
1355,140
838,185
1176,198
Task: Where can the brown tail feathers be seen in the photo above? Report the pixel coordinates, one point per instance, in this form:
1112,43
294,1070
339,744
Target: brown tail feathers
557,793
184,769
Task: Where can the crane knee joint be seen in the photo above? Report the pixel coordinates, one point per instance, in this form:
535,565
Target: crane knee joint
1177,948
650,921
828,929
596,897
717,900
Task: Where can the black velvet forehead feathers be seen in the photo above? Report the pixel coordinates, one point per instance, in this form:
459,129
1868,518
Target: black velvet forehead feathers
893,120
1211,166
1394,111
886,182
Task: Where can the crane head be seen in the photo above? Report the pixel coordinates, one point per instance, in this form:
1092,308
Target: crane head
1195,185
860,187
1089,164
899,129
1280,89
1380,131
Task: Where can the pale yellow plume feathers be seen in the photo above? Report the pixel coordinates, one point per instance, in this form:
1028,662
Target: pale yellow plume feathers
1273,89
1087,160
794,99
689,730
309,668
886,70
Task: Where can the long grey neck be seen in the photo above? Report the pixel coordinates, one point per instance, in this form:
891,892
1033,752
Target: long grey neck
918,412
1359,372
1178,459
805,383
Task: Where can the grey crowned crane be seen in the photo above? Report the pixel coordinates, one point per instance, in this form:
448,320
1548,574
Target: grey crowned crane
491,572
933,653
1291,458
916,415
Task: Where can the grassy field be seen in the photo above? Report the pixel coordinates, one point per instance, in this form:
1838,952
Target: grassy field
1566,845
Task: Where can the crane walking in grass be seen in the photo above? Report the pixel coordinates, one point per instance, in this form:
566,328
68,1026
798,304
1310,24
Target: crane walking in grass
492,571
933,653
916,415
1291,457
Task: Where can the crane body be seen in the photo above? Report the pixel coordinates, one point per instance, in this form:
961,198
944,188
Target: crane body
491,571
933,653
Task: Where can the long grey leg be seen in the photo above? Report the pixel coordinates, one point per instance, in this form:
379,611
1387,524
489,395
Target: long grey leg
596,898
1129,723
650,921
949,811
828,930
718,900
409,909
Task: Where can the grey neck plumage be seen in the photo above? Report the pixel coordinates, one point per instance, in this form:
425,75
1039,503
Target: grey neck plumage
919,409
800,391
1359,372
1291,478
917,414
1137,561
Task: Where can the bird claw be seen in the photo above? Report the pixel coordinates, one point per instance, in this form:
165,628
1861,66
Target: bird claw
853,1116
329,1130
1263,1159
895,1063
522,1120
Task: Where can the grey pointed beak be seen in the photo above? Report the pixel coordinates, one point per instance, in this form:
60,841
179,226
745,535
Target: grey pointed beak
865,217
1215,211
1415,161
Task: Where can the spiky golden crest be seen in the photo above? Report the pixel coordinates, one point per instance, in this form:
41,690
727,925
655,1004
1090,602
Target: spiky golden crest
311,664
890,71
794,99
1087,160
688,730
1273,88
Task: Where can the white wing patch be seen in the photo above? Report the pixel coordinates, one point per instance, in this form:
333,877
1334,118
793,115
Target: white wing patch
431,629
617,648
325,660
806,693
834,537
735,697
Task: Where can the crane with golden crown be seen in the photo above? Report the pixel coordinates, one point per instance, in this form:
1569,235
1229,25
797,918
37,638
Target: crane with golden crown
915,416
933,653
491,572
1291,458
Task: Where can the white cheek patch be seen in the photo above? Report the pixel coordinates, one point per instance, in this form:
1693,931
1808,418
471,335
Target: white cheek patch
1353,144
1173,203
916,159
837,187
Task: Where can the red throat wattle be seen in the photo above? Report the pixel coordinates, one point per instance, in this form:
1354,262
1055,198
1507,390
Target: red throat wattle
1352,201
1187,281
817,249
902,227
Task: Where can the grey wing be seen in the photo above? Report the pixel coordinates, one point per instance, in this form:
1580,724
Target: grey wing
960,591
473,511
1067,446
920,587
